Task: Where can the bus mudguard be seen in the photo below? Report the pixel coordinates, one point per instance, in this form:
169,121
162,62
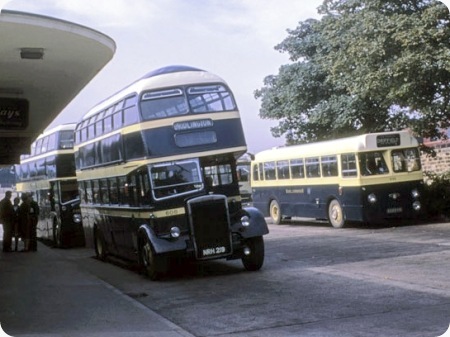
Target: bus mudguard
257,227
162,245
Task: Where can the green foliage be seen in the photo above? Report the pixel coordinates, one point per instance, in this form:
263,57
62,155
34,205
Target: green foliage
365,66
436,198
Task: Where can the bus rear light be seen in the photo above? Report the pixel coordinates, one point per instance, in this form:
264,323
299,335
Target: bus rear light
416,206
372,198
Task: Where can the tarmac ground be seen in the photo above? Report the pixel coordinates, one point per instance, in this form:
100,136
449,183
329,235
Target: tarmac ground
43,294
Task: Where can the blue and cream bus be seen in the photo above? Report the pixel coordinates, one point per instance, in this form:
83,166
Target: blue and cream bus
368,178
49,174
156,168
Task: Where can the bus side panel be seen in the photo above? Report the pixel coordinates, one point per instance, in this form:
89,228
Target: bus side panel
124,229
92,220
309,201
351,202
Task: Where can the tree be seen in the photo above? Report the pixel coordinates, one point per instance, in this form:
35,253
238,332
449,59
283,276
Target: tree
365,66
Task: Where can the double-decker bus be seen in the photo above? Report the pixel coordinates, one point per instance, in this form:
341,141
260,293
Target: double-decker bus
156,168
48,173
368,178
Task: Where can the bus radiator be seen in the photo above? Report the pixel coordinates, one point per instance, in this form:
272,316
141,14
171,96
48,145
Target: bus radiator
210,226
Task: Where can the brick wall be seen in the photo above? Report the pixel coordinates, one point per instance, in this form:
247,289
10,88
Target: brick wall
441,163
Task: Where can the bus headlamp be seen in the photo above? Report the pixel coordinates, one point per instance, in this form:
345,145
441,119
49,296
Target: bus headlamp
76,218
416,205
415,193
175,232
245,221
372,198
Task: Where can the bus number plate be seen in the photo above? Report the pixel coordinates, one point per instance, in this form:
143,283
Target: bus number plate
394,210
214,251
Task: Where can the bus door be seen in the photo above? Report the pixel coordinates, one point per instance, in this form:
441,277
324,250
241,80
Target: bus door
44,220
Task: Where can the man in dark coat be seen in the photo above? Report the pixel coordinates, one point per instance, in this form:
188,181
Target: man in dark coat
24,220
7,217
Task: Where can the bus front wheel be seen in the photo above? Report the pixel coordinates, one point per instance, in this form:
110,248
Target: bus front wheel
255,259
275,212
154,266
336,214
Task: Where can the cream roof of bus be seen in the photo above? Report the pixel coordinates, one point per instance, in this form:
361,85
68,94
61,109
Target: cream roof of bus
164,80
62,127
366,142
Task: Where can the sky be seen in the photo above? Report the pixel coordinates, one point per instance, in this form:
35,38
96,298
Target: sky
233,39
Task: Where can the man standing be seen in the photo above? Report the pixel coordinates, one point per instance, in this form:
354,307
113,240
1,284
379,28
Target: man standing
7,219
24,220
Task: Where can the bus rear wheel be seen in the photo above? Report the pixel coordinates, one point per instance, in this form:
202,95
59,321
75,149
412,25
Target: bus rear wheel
275,212
154,266
336,214
255,259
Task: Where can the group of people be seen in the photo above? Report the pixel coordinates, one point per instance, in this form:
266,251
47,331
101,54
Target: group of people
19,219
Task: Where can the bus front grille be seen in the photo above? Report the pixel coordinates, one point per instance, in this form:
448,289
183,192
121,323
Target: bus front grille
210,226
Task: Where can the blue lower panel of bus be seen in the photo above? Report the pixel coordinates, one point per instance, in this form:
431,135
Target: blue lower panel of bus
311,201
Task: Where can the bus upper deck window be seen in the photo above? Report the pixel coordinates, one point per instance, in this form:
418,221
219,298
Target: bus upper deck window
163,103
210,98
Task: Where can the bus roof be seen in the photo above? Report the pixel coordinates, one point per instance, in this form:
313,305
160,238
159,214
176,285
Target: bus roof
175,75
61,127
366,142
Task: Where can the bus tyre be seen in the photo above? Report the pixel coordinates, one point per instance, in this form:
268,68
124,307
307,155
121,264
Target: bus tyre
100,246
153,265
255,260
275,212
336,214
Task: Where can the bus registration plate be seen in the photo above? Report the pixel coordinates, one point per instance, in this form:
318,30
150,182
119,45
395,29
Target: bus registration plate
214,251
394,210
